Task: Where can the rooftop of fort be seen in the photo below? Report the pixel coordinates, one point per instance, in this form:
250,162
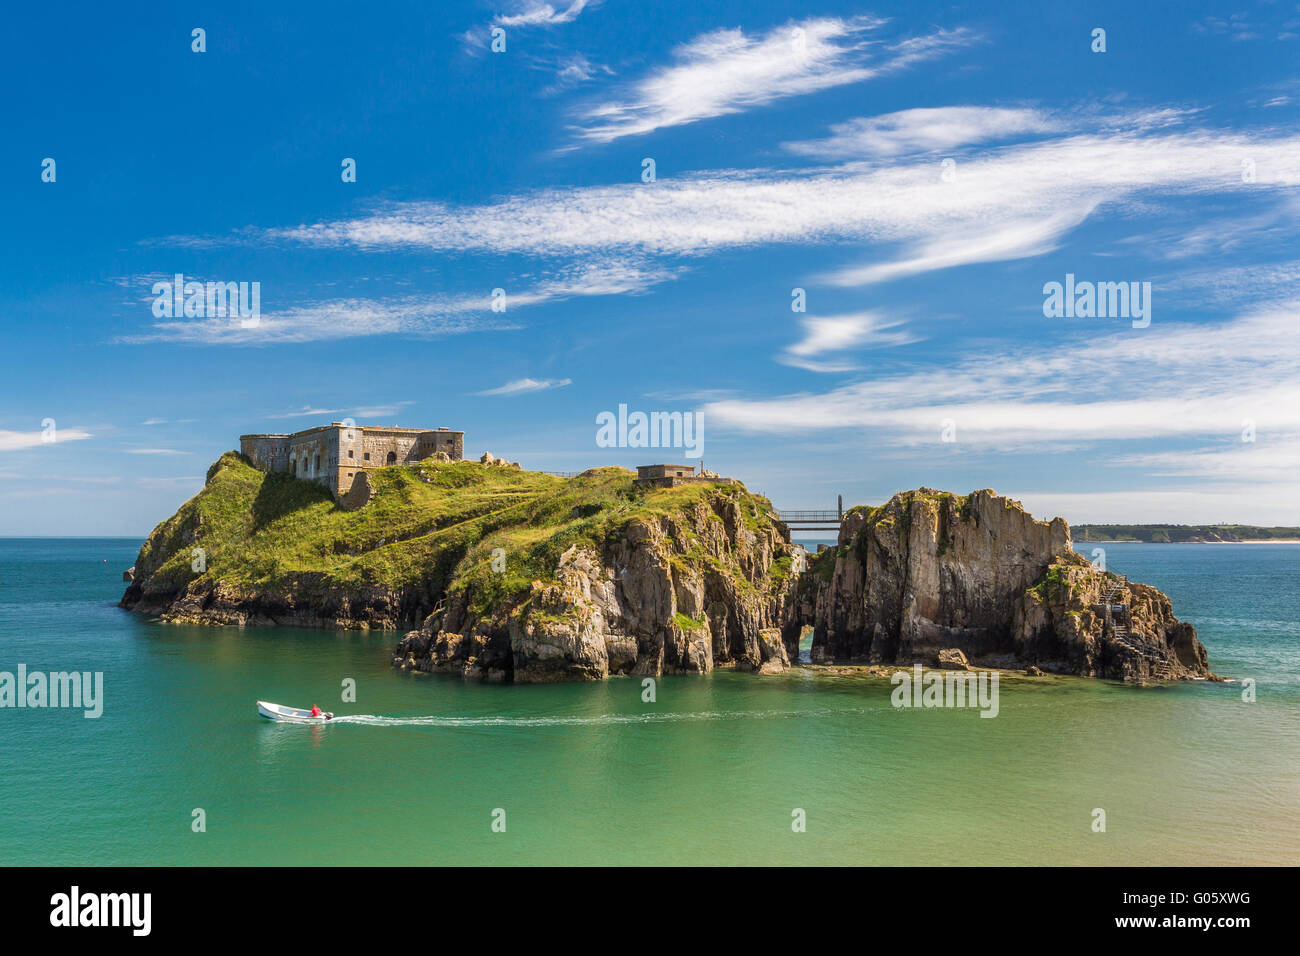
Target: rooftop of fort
396,429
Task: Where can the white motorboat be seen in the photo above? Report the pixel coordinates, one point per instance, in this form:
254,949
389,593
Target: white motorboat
294,715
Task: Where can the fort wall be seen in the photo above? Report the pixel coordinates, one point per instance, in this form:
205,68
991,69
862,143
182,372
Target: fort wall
334,454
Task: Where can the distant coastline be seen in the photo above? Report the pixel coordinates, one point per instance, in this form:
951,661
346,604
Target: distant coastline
1240,541
1184,534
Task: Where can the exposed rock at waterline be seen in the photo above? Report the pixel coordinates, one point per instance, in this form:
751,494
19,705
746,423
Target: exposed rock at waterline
952,659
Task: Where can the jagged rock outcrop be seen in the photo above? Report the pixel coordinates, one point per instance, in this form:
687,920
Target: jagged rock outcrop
930,571
952,659
1062,625
680,593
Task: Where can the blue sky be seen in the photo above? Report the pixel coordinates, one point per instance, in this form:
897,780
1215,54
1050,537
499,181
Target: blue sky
921,171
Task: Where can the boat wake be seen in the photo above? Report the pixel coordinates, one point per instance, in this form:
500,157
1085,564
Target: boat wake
432,720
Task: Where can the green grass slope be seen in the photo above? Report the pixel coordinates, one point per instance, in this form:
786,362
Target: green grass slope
432,526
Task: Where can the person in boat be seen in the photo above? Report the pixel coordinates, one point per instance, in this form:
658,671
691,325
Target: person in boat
316,711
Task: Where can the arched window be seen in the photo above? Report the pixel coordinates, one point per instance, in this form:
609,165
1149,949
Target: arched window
315,465
392,458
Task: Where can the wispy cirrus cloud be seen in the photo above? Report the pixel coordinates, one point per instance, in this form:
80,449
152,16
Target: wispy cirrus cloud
536,14
524,15
1014,240
18,441
997,204
728,71
924,130
573,71
335,319
307,411
1198,379
839,333
1271,457
701,214
1235,284
435,315
365,411
380,411
524,386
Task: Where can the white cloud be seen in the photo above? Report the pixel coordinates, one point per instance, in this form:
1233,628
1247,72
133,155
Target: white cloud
1269,457
368,411
1196,380
522,386
536,14
308,412
1008,203
427,316
837,333
16,441
573,71
1016,240
924,130
380,411
726,71
1236,284
1004,191
335,319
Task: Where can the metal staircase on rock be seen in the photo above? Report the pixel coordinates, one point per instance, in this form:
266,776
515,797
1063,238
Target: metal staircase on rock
1118,627
1116,617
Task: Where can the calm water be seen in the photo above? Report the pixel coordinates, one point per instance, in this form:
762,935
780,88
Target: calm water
710,773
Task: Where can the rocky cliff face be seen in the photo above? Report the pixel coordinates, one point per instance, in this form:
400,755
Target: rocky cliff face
680,593
930,570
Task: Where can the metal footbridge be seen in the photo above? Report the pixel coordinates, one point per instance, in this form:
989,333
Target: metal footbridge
814,520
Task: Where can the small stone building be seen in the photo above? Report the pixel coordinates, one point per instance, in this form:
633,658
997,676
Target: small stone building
644,472
670,476
334,454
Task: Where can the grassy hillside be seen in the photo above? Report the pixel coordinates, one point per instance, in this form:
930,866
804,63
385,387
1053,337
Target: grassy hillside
1173,533
433,525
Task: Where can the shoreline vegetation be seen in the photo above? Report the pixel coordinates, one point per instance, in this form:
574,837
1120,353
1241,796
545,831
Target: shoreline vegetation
502,574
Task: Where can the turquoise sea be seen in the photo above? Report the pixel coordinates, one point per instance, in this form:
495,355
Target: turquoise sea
710,773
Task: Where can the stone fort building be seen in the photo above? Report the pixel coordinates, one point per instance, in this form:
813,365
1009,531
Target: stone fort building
336,453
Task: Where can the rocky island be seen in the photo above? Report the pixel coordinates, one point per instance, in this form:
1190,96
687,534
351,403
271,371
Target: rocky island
504,574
